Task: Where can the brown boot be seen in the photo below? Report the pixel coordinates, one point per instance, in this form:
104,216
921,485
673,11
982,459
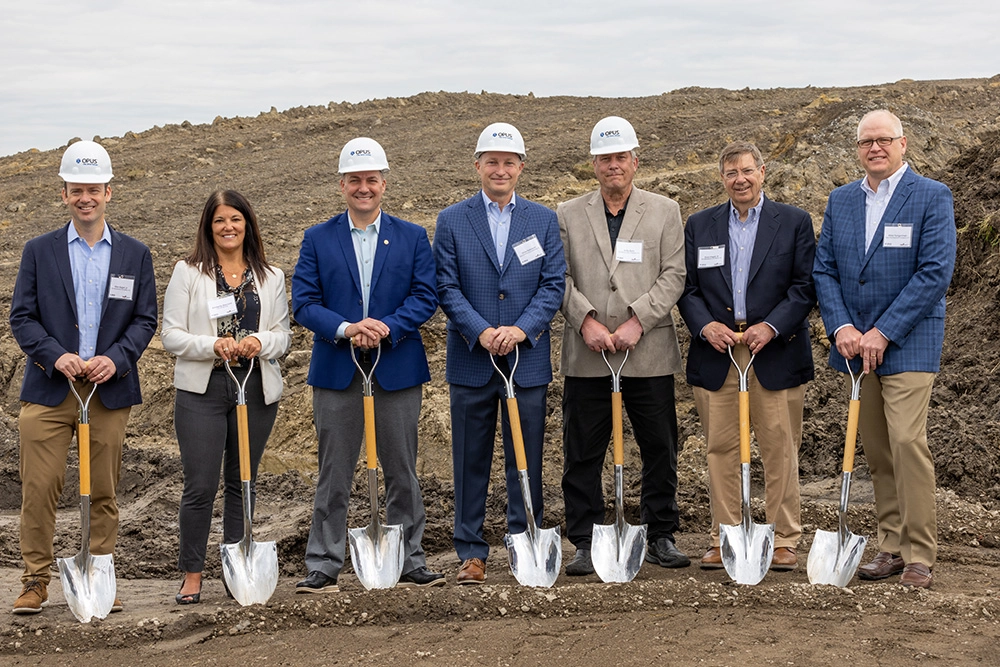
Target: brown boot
34,596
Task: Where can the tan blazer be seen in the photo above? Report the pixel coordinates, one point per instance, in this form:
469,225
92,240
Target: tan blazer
612,291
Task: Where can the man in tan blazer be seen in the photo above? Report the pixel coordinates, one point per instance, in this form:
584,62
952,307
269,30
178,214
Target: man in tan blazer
624,252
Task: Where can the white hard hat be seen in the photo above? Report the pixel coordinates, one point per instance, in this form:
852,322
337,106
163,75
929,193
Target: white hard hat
613,135
362,154
500,137
85,162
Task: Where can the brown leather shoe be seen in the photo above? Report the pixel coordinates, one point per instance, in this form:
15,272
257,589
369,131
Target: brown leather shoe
784,559
473,571
712,560
882,566
34,595
916,575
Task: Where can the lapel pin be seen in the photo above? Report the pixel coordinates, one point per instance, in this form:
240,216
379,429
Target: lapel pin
385,241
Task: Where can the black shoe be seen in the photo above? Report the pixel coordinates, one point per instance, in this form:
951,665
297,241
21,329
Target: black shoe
421,577
317,582
665,553
581,564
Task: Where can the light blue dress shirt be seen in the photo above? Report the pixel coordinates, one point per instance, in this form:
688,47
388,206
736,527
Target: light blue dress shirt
499,223
90,268
742,236
365,244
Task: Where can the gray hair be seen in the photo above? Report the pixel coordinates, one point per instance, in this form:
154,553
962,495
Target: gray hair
733,151
897,125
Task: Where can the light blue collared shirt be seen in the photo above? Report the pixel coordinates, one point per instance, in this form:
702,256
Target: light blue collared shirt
90,267
365,244
499,223
742,236
876,201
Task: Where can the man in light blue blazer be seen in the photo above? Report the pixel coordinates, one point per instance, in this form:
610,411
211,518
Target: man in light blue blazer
500,277
365,276
883,265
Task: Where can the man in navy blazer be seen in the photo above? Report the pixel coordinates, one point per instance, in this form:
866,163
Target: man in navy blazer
883,265
84,309
501,277
365,278
749,264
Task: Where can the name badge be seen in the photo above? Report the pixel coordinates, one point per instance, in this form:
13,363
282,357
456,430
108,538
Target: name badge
528,250
898,236
121,287
629,251
711,256
224,305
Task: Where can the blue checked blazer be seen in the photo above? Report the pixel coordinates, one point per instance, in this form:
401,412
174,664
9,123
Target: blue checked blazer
901,291
476,293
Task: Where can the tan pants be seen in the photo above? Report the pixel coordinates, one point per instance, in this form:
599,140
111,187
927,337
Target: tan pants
46,434
893,425
776,420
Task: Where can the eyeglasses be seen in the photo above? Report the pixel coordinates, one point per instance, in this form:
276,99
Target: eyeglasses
881,141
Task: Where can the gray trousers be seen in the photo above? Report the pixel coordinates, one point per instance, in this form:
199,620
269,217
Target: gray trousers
339,418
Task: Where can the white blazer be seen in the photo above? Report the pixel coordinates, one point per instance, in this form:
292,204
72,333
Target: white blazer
190,333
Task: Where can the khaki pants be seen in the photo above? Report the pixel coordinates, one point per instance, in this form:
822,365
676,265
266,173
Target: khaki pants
46,434
893,425
776,420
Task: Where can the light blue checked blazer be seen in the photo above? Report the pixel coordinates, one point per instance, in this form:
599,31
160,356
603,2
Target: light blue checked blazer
475,293
901,291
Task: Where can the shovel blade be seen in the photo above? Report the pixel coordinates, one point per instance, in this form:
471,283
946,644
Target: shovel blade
250,574
377,555
618,554
535,562
89,585
747,552
832,561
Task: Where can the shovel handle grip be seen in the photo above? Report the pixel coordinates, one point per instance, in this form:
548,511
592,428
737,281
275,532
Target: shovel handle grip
616,428
851,440
243,436
371,451
744,427
83,440
515,434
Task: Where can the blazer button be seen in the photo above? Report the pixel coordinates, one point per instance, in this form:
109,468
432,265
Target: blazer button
501,296
861,282
614,288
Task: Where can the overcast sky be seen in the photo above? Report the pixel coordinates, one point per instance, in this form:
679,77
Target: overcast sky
83,69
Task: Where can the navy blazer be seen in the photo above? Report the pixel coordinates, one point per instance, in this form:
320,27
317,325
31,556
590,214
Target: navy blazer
44,322
476,293
326,292
899,290
780,291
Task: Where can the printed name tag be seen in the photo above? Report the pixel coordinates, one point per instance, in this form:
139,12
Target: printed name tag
528,250
629,251
224,305
898,236
121,287
711,256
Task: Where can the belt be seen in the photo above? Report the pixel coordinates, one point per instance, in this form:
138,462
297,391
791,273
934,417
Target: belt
741,326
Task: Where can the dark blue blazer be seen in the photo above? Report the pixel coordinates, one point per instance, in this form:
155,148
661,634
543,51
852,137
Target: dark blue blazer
326,292
780,291
900,291
44,322
476,293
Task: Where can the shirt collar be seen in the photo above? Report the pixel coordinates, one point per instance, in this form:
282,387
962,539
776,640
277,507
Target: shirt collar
752,214
492,204
72,235
377,223
891,182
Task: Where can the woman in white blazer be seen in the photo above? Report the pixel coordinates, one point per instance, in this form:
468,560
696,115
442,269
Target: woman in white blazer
224,303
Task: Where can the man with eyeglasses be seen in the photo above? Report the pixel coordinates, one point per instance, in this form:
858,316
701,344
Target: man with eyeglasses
883,265
749,264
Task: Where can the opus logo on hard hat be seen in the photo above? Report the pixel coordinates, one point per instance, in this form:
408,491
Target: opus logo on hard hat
87,161
611,133
504,135
362,152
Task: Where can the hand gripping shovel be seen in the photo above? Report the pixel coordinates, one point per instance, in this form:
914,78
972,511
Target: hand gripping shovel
250,569
536,553
747,548
376,550
617,550
834,557
88,581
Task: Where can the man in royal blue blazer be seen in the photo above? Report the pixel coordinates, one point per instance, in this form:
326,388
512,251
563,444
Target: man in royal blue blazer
84,308
367,277
501,277
749,264
883,265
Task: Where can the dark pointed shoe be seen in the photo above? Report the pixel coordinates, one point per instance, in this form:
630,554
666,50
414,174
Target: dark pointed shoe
581,564
317,582
420,577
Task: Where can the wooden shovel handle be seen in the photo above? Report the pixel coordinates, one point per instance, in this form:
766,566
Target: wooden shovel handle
515,434
83,441
243,436
616,428
744,427
371,451
851,439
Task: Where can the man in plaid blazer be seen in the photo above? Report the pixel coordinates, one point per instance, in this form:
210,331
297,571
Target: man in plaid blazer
883,265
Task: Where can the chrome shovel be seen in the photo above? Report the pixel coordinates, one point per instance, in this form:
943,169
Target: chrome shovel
536,553
250,569
617,550
834,557
88,581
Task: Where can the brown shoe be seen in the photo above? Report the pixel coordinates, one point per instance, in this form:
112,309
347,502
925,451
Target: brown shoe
916,575
712,560
882,566
784,559
473,571
34,596
116,606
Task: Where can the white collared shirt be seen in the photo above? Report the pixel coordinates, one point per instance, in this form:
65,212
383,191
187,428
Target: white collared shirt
876,201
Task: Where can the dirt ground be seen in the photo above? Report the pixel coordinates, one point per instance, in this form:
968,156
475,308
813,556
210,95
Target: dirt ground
286,162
